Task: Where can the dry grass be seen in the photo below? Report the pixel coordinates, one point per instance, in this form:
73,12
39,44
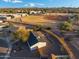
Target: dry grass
34,19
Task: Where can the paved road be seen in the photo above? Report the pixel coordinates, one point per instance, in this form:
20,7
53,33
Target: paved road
21,23
56,45
3,48
25,52
47,50
52,46
74,49
73,43
64,44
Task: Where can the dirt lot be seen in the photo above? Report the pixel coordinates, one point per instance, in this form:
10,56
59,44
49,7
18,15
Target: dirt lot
35,19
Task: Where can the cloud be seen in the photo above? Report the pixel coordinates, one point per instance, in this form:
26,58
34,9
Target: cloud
30,5
13,1
6,0
33,4
17,1
40,4
26,5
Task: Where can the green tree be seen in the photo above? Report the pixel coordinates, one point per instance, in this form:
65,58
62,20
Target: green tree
66,26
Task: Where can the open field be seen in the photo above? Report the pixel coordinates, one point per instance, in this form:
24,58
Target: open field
43,19
35,19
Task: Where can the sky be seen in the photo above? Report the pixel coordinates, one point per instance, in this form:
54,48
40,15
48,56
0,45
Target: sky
38,3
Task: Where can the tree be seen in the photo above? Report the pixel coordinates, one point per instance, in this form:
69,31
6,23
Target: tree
66,26
22,34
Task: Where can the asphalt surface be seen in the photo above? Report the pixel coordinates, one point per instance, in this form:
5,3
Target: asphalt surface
4,44
75,51
73,44
56,45
24,52
47,50
53,46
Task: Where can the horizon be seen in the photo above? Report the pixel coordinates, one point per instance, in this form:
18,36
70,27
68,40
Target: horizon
39,4
35,7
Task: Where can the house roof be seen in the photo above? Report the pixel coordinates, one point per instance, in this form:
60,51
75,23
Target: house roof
2,17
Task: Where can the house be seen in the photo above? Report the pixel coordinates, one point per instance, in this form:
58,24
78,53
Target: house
2,18
16,15
24,14
35,12
9,16
34,42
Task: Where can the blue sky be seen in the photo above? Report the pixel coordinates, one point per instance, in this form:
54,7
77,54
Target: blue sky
38,3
